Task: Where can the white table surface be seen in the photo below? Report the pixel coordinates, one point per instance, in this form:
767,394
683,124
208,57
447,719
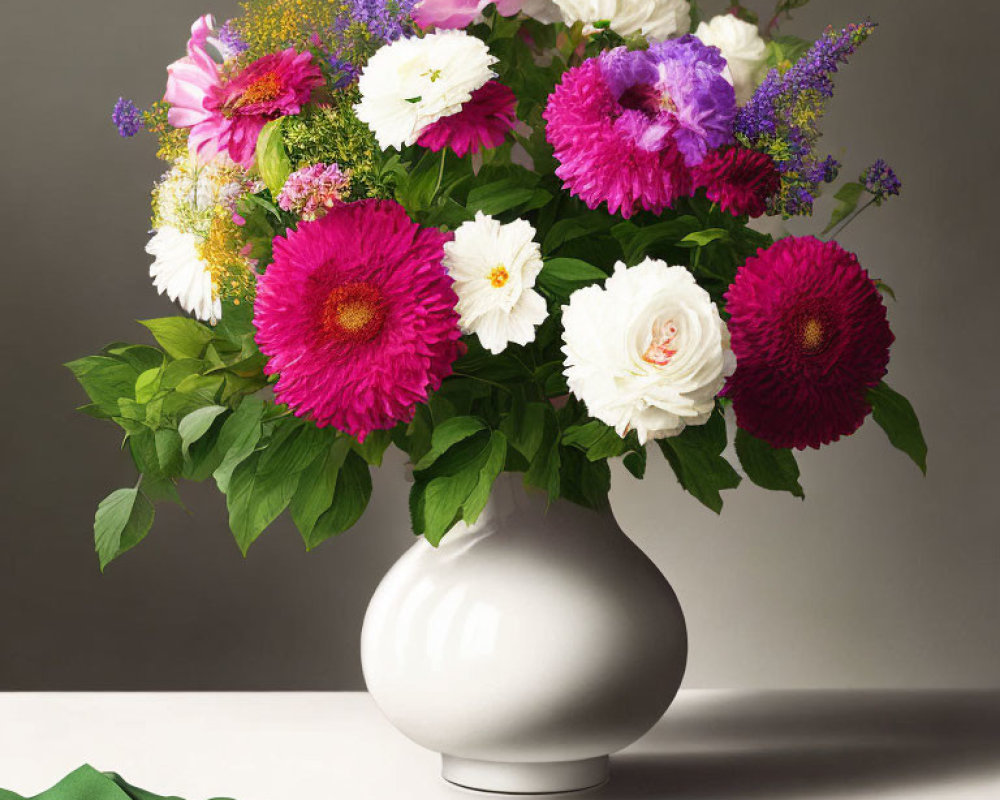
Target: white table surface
312,746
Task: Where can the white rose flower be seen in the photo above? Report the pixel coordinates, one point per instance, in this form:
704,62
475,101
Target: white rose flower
648,351
494,267
655,19
412,83
180,272
742,47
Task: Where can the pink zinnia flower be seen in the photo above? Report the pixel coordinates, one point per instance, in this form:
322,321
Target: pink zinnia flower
739,180
357,315
227,115
810,336
482,122
311,191
447,13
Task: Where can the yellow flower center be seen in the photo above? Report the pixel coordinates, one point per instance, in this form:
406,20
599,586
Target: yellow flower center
353,312
812,335
261,90
499,276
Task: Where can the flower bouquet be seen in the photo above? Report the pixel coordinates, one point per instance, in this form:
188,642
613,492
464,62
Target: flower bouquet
501,237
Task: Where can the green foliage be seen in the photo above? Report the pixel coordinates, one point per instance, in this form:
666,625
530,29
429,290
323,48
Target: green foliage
896,417
769,467
272,159
696,458
847,198
123,519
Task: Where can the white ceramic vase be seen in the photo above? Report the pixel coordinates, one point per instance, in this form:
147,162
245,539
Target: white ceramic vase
527,647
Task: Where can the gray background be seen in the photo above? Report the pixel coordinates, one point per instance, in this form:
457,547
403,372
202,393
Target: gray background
880,579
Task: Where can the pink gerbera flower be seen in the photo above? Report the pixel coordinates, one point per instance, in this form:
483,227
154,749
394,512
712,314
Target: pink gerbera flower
226,115
358,317
739,180
483,122
810,336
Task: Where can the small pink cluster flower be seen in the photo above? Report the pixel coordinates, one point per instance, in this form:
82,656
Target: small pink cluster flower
314,190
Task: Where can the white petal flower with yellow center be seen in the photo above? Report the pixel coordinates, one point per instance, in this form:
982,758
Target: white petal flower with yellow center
494,268
648,351
412,83
180,273
655,19
742,47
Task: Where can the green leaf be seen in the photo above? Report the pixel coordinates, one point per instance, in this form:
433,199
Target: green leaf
449,433
196,424
373,448
167,442
637,241
566,230
147,384
635,462
499,196
315,492
105,380
584,482
524,427
160,489
354,490
491,468
696,458
847,197
139,356
181,337
255,500
543,472
769,467
272,158
237,439
596,439
123,519
563,276
702,238
293,446
896,417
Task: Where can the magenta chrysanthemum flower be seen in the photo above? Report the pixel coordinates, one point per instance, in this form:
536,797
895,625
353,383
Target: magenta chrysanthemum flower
626,126
483,122
739,180
357,315
227,116
311,191
810,336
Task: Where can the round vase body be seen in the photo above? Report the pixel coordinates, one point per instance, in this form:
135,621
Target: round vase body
527,647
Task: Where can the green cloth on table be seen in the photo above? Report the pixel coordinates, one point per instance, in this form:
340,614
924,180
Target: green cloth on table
87,783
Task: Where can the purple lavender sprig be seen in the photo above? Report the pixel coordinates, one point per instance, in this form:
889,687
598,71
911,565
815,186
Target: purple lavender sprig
127,118
386,20
880,181
782,118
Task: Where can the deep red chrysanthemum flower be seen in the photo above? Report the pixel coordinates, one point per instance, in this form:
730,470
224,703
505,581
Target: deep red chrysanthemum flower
739,180
357,315
482,122
810,336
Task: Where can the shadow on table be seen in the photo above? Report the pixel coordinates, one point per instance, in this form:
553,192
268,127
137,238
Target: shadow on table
802,745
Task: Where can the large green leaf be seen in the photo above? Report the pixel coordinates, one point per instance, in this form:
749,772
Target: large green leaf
596,439
353,491
847,198
105,380
237,439
255,499
896,417
317,485
272,158
583,481
196,424
503,195
563,276
181,337
543,472
446,435
769,467
696,458
123,519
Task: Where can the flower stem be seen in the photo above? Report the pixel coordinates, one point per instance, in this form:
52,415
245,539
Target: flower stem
835,233
437,186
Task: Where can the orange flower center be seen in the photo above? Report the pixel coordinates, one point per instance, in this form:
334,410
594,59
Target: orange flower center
812,336
354,312
499,276
261,90
661,348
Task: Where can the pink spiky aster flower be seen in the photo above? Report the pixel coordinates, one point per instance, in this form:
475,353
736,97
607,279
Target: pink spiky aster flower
810,336
227,115
741,181
311,191
627,126
482,122
357,315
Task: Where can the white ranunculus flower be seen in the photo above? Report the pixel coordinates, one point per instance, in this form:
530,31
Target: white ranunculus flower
180,272
412,83
655,19
742,47
648,351
494,267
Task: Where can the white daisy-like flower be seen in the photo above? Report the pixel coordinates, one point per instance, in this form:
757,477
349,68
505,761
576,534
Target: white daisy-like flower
494,267
648,351
412,83
179,272
655,19
742,47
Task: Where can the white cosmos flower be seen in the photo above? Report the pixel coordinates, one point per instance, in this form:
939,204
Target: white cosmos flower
655,19
648,351
412,83
180,272
494,267
742,47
